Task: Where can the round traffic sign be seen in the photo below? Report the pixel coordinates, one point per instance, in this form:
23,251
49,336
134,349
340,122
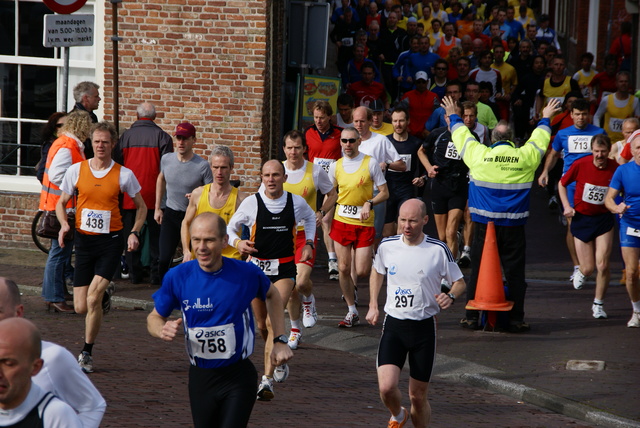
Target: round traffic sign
64,6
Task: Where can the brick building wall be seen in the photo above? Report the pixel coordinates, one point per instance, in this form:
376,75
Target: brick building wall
16,214
214,63
574,47
202,61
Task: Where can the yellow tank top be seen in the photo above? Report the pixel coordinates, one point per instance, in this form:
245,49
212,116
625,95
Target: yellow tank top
614,116
226,212
558,93
353,191
385,129
305,188
584,80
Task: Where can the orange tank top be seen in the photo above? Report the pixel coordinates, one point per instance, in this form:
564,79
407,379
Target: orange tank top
98,209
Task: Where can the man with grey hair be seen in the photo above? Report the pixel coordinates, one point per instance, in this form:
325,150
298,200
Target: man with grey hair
87,98
218,197
140,149
502,132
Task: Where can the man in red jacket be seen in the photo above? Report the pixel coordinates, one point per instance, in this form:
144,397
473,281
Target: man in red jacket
421,102
140,149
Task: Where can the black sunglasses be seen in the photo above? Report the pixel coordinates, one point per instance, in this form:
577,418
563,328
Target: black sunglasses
59,125
349,140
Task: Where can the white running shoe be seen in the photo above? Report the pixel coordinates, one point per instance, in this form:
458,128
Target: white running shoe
294,338
350,320
575,269
281,373
598,311
309,314
578,279
85,361
333,267
265,390
635,320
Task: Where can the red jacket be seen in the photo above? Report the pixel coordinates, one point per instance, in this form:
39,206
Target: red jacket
421,106
140,149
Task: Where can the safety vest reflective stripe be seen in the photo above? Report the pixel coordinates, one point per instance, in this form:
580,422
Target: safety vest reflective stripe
50,191
501,186
503,215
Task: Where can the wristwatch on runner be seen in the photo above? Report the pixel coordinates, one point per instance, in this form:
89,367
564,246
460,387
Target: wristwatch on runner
281,339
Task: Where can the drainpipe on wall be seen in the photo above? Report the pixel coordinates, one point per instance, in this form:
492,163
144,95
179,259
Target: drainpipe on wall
115,39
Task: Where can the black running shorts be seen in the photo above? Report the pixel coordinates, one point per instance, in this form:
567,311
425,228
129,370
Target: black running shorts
416,338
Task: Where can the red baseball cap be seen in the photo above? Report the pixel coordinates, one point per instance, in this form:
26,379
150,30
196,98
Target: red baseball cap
185,129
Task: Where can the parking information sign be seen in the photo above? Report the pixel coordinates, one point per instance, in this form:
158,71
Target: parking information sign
68,30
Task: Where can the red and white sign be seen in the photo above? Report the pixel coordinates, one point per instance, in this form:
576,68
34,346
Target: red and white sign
64,6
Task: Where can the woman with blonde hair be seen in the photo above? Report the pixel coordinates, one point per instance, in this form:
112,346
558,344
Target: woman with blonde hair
66,150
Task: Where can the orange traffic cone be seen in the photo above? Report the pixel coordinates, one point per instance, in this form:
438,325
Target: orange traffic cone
490,288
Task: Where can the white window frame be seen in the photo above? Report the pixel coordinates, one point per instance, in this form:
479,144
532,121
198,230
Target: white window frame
30,184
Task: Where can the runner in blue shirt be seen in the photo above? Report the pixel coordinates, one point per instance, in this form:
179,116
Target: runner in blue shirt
214,294
625,181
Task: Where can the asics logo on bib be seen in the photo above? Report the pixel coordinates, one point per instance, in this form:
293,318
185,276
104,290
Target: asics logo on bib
403,291
210,333
92,214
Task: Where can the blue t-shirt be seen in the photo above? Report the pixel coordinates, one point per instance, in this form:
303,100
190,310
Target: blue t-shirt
436,120
627,180
575,143
420,62
216,309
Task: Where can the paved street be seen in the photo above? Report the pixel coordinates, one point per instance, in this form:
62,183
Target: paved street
144,383
483,379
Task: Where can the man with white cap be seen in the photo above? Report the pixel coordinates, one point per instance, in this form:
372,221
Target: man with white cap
421,102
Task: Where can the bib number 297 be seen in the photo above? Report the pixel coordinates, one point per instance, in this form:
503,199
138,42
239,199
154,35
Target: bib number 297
404,301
